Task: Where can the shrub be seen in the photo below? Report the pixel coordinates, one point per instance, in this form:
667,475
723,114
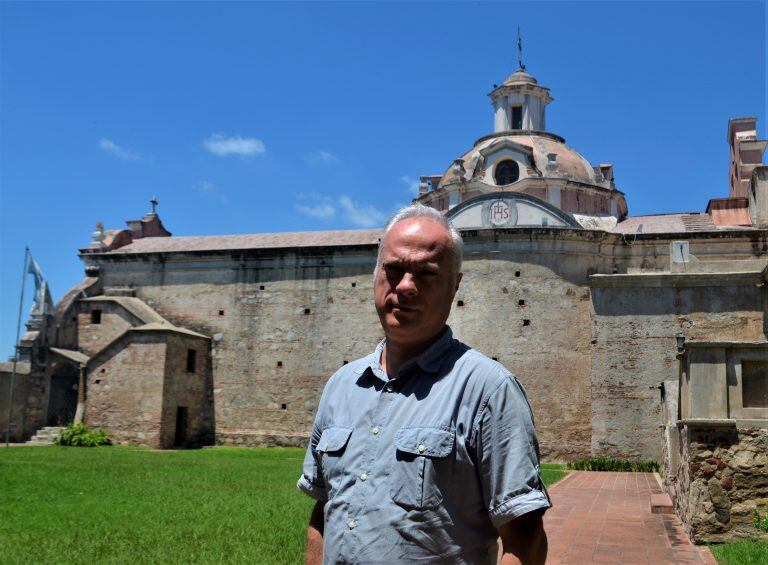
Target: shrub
761,522
601,464
80,435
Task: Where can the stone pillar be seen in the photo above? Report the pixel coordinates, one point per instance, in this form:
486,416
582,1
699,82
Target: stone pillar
501,120
758,197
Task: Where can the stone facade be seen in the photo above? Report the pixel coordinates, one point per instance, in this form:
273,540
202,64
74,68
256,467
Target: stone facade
721,481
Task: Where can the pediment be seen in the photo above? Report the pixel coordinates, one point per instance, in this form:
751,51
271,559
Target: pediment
508,210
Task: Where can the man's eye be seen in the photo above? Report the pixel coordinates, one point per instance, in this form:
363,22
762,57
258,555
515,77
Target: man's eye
426,273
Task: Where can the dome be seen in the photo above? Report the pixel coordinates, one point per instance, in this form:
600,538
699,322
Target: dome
551,156
519,77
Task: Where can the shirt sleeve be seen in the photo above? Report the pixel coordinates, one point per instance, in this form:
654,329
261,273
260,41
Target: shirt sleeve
507,454
311,481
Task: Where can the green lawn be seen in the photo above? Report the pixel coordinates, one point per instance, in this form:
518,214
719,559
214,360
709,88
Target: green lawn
121,505
741,553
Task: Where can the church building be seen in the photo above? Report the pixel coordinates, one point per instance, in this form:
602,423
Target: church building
228,340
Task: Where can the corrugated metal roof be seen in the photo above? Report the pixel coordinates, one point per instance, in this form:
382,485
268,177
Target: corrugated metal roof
250,241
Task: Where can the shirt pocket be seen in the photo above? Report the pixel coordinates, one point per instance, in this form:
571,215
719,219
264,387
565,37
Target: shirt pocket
420,453
330,449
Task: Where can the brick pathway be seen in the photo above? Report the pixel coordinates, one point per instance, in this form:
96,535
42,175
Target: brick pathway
606,518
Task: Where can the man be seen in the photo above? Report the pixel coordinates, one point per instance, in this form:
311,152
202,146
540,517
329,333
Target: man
424,450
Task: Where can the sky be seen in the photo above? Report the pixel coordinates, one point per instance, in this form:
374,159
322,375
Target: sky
248,117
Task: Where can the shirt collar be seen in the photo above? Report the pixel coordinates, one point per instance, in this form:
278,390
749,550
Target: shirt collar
429,360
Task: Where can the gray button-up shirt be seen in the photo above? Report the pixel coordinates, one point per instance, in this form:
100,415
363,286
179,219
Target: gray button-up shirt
426,466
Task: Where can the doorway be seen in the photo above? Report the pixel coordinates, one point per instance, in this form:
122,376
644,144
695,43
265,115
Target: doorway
182,418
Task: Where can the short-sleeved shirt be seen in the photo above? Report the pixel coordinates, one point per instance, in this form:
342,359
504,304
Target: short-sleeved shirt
425,466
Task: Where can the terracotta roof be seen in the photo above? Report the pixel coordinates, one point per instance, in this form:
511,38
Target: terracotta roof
670,223
250,241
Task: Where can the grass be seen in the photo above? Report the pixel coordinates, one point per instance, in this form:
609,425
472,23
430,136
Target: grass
741,553
130,505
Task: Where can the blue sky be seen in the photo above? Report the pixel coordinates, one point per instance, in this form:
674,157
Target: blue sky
261,117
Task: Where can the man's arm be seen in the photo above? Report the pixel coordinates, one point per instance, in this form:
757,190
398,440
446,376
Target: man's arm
524,540
314,553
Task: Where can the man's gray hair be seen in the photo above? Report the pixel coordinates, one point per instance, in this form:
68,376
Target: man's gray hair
421,211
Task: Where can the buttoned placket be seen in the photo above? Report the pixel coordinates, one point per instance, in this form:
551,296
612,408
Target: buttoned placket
366,481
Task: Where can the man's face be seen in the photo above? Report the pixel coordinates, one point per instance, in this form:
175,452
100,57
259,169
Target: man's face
415,280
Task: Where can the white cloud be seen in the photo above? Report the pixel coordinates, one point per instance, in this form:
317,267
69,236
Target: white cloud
118,151
235,145
362,214
322,211
322,157
412,183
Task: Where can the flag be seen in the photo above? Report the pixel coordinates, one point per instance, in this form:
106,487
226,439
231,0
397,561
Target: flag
43,303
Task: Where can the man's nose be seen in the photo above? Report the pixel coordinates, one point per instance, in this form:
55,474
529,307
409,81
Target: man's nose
407,285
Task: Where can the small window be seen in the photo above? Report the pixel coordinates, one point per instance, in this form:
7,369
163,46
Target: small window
517,117
521,302
754,384
506,172
517,273
279,363
95,316
191,360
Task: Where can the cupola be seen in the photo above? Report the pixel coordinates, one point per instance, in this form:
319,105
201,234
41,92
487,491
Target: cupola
518,104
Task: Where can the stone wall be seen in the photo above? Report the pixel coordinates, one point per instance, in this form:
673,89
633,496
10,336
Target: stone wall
125,389
30,403
188,389
721,479
92,338
591,359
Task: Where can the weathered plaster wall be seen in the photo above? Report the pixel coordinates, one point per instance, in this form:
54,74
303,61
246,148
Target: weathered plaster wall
635,348
30,403
125,390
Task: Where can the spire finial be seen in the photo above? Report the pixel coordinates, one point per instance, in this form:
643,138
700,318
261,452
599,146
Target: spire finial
154,203
520,50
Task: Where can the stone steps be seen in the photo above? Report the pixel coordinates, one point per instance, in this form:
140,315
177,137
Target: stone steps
45,436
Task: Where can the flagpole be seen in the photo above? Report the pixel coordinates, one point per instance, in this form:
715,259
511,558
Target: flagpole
16,349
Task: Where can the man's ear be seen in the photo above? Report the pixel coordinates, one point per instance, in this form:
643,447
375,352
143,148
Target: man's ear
458,280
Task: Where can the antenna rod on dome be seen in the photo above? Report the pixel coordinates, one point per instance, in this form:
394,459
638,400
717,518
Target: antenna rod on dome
520,50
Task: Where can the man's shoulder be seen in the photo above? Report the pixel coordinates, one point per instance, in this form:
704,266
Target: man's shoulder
482,373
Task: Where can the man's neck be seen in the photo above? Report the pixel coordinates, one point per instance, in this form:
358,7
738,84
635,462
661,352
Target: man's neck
396,354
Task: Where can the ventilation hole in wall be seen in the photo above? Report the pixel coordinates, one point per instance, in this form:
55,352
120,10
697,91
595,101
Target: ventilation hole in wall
330,300
221,312
103,371
517,273
283,407
307,311
354,284
97,381
526,322
505,290
345,362
521,302
495,358
460,303
279,363
261,287
74,318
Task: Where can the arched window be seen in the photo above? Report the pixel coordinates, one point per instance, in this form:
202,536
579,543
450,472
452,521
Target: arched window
506,172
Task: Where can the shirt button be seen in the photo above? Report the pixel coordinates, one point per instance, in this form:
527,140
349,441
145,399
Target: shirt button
325,447
351,524
422,448
389,388
375,431
363,477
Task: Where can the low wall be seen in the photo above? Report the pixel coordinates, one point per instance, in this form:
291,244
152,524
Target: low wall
719,480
